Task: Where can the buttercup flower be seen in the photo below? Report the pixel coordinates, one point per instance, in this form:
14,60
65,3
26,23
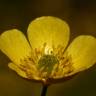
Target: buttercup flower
46,55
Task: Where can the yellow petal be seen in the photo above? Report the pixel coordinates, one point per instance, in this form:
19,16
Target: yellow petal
48,30
14,44
24,72
83,52
17,69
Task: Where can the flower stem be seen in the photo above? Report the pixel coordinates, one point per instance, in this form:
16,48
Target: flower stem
44,90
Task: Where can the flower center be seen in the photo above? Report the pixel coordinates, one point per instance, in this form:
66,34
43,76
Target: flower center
46,64
48,60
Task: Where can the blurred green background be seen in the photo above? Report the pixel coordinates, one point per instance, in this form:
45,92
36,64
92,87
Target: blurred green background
81,17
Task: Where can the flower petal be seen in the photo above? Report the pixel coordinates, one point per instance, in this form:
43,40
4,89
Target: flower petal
14,44
83,52
48,30
17,69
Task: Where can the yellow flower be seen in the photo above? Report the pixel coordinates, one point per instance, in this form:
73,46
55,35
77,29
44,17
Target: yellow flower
45,57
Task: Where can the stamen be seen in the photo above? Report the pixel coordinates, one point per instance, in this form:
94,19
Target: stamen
29,67
64,67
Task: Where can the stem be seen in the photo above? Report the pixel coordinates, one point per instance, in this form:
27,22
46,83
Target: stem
44,90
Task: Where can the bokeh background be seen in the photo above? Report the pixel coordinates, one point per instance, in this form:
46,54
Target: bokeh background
81,17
